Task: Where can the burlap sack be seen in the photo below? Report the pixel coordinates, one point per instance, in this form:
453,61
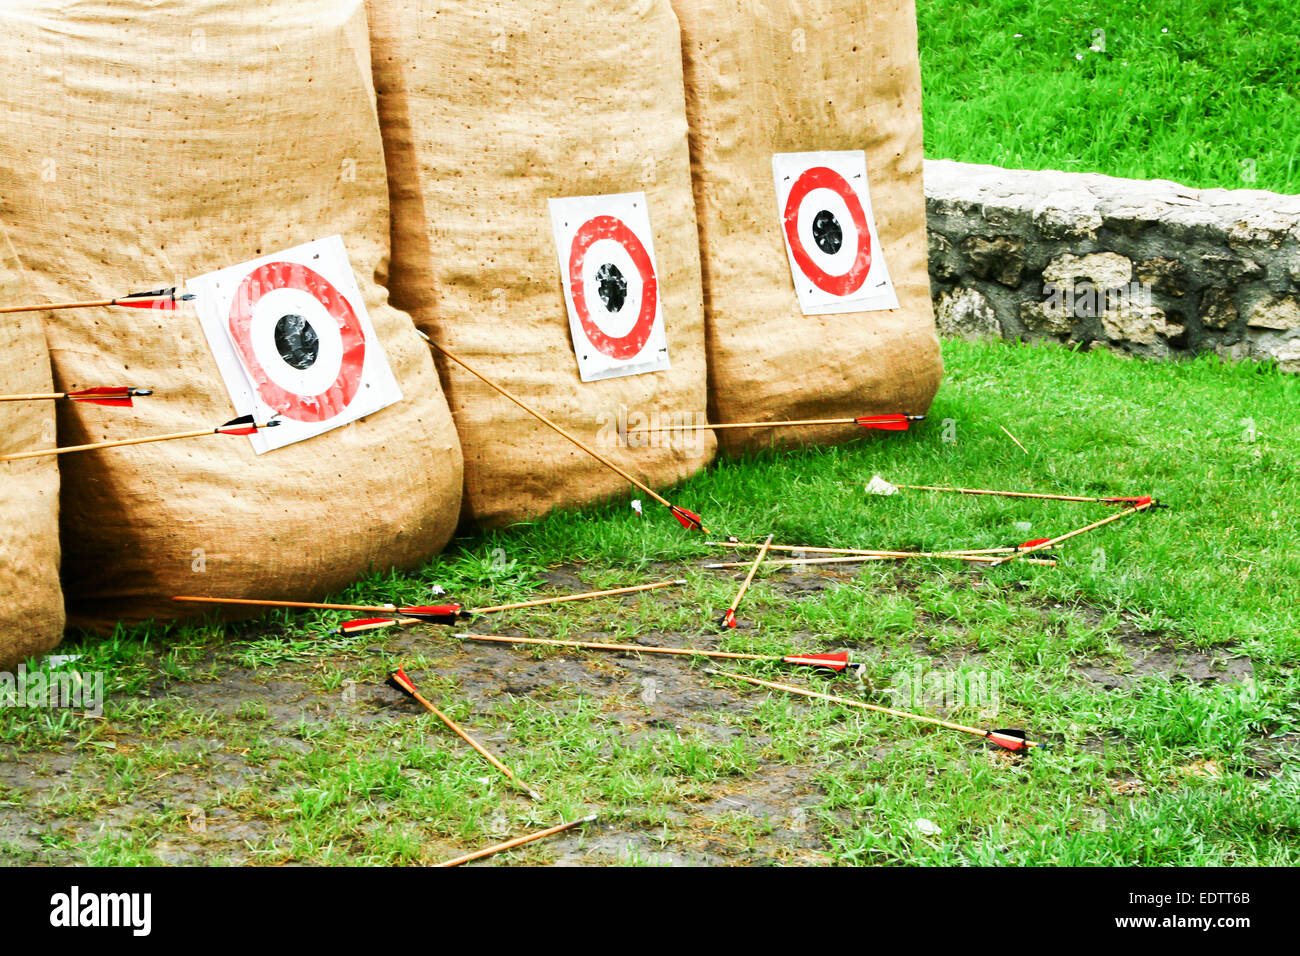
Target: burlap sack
149,144
489,110
785,76
31,604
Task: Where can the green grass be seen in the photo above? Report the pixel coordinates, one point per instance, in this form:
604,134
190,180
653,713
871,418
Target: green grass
1172,763
1203,92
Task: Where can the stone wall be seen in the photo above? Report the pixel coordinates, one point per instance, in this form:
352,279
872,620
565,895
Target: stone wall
1143,267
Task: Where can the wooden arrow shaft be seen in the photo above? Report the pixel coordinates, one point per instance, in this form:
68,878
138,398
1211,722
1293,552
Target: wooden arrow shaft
628,648
32,398
517,841
1003,494
546,421
871,552
719,425
577,597
1019,555
744,585
55,306
849,556
197,433
790,689
486,754
989,560
391,609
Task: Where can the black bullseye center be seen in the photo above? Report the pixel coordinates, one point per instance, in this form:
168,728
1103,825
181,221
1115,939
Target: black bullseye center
827,232
296,341
612,286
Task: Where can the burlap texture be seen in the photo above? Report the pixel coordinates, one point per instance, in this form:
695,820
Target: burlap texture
154,141
31,603
488,110
785,76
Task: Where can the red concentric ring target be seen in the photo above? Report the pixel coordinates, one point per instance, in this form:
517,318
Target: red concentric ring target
821,177
294,275
608,227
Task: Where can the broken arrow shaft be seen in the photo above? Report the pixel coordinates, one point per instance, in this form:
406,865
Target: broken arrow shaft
517,841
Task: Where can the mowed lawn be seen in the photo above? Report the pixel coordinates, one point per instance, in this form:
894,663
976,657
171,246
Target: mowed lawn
1158,661
1204,92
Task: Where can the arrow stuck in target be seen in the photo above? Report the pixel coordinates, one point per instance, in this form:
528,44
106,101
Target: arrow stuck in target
157,299
111,395
244,425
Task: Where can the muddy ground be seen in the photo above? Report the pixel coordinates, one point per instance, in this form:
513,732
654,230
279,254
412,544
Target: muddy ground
644,697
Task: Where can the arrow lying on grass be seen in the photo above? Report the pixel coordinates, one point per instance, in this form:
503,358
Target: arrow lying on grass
244,425
987,562
517,841
423,614
729,619
1006,737
834,662
1142,504
861,553
400,682
892,423
1133,500
158,299
688,519
113,395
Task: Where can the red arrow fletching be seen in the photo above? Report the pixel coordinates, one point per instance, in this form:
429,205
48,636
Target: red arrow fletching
728,619
435,614
1032,543
365,624
104,395
835,662
1135,502
688,519
889,423
400,682
1008,739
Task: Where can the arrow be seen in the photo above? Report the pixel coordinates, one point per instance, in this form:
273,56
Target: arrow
427,614
1142,504
729,619
1027,494
854,555
989,561
236,426
158,299
688,519
1006,737
114,395
835,662
399,681
893,423
517,841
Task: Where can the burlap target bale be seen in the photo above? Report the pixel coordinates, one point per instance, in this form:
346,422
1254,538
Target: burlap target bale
489,110
141,145
779,76
31,603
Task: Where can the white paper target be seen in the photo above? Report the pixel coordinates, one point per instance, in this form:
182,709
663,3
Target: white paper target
292,340
824,213
611,286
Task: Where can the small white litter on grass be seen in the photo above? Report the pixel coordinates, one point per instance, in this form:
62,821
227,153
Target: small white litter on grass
878,486
927,827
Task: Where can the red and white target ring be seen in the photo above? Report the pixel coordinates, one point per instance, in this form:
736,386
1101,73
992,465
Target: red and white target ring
851,279
330,401
631,343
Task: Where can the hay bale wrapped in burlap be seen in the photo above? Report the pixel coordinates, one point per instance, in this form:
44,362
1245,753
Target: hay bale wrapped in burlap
780,76
145,144
31,604
490,109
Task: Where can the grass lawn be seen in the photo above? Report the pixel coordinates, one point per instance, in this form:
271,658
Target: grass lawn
1158,661
1204,92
